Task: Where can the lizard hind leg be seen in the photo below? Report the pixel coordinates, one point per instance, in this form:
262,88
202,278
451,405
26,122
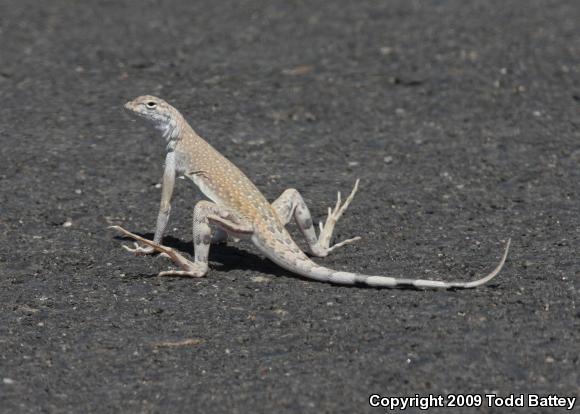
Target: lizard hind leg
291,205
188,268
204,214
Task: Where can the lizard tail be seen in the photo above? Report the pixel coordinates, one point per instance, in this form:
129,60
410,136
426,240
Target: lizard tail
307,268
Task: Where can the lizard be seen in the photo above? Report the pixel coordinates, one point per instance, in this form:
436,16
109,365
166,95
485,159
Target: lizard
237,208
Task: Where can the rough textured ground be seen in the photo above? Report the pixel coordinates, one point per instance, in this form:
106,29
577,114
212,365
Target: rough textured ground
462,119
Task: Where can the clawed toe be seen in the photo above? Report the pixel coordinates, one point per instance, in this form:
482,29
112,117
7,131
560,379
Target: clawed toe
342,243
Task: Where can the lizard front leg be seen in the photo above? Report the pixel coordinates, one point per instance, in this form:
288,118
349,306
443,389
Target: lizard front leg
291,204
164,208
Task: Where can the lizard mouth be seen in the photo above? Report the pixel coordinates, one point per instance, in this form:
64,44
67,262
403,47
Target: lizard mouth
134,110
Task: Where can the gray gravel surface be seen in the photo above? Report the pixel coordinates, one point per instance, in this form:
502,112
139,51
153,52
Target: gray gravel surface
461,118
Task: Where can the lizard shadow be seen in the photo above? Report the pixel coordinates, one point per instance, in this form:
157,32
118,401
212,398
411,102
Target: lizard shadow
230,258
227,256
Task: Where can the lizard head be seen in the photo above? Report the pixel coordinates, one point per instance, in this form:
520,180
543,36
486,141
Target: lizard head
154,110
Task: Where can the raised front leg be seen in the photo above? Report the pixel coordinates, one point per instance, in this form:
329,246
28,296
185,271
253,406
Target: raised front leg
291,204
204,214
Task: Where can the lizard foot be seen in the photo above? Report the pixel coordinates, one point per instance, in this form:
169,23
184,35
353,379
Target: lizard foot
197,269
322,248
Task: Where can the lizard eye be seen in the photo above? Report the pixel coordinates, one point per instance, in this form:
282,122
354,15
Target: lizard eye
151,105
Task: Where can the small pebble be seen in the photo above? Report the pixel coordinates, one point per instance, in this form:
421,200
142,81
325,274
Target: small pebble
261,279
385,50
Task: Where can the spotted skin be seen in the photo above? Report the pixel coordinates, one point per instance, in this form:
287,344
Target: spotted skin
237,208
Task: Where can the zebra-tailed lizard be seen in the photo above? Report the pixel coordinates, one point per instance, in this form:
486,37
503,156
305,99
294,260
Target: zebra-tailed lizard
237,208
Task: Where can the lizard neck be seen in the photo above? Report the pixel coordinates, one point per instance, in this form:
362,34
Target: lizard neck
173,129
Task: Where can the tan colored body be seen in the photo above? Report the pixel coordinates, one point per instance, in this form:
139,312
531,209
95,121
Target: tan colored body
219,179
